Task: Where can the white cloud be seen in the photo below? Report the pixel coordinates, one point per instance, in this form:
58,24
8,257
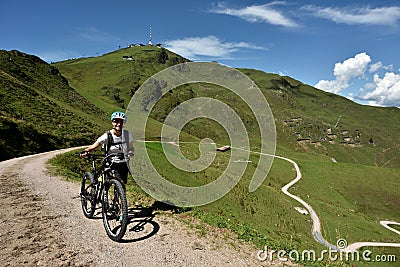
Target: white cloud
374,103
333,86
259,13
379,65
375,67
344,72
386,90
371,16
210,46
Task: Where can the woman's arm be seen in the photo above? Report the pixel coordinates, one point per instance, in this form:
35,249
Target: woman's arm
90,148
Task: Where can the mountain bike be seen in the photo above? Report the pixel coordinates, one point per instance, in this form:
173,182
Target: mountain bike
103,186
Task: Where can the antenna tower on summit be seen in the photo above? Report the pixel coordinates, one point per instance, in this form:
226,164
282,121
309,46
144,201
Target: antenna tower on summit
150,43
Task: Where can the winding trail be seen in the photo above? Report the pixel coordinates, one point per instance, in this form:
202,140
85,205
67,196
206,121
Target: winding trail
46,224
43,225
357,245
316,229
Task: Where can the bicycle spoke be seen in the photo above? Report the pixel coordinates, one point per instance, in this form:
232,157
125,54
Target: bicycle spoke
115,210
88,194
111,191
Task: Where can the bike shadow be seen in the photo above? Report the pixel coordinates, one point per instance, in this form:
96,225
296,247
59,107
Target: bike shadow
141,224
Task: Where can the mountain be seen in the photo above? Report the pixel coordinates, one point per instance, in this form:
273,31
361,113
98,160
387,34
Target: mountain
348,153
312,120
110,80
39,111
307,119
49,106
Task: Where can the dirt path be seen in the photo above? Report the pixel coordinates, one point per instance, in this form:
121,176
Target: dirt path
316,229
42,225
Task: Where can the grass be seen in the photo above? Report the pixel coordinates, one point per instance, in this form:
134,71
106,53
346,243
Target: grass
350,199
350,196
39,111
108,81
267,216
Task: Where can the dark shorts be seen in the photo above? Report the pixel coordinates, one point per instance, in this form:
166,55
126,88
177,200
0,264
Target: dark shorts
122,169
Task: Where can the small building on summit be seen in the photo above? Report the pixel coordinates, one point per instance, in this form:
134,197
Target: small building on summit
127,58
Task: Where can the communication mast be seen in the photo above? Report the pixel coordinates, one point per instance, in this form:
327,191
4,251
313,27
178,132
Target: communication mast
150,43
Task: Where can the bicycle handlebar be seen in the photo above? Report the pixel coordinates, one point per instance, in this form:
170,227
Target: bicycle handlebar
98,156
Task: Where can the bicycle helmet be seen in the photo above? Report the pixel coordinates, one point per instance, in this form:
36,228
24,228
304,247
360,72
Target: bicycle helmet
119,115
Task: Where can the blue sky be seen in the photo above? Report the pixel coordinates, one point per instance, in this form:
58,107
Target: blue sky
350,48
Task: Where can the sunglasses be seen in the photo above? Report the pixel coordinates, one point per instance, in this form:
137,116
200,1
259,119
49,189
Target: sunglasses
118,121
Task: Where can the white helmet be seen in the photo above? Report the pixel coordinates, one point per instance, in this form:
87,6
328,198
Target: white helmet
119,115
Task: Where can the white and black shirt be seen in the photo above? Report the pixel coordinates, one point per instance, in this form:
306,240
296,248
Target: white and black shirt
119,144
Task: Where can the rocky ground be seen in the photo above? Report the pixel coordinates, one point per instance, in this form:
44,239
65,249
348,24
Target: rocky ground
42,225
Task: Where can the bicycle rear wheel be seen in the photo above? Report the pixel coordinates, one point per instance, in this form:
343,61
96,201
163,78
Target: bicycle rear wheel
88,195
115,210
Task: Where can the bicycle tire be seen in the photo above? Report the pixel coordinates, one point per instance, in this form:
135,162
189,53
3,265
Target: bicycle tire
114,204
88,195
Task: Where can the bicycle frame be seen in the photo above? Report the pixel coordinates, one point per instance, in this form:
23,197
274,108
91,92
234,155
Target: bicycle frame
104,183
102,171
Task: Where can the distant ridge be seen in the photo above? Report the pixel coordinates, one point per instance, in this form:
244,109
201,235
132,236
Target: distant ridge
78,94
305,116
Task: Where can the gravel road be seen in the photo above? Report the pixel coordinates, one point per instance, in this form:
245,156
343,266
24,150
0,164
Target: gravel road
42,225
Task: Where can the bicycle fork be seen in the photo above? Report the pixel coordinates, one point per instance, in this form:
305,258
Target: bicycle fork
114,205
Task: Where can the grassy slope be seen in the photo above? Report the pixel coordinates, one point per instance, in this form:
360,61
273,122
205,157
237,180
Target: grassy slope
350,196
108,80
318,111
39,111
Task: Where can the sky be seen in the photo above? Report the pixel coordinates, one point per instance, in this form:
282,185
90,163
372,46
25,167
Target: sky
350,48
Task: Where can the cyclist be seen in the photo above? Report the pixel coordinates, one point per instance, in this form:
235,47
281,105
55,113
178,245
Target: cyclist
116,140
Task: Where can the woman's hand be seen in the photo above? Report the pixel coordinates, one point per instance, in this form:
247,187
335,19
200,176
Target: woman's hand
83,154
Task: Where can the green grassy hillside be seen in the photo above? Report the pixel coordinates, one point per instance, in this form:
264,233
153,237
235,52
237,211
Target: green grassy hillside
311,120
314,128
109,81
307,119
38,110
349,154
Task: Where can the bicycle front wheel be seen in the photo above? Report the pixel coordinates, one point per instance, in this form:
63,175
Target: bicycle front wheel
88,195
115,210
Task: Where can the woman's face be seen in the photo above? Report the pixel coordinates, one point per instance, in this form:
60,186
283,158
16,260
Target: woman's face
118,124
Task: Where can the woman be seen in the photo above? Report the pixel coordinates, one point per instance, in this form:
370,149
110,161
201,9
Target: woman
116,140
